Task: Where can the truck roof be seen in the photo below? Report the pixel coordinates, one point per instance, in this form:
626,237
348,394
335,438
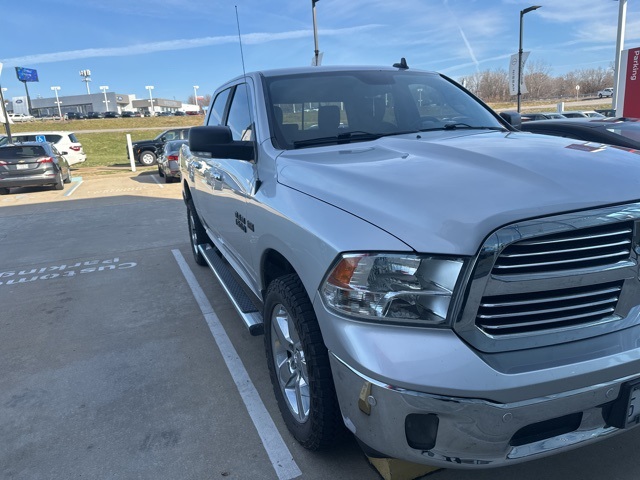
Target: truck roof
332,68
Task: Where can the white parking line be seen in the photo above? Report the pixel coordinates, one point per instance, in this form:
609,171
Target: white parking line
157,181
280,456
74,188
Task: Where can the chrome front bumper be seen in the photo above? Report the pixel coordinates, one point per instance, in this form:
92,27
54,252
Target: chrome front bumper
471,433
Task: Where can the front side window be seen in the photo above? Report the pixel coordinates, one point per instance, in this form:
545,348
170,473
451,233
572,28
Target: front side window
239,119
217,108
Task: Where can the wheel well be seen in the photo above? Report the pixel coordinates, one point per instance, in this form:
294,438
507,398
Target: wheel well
186,192
274,265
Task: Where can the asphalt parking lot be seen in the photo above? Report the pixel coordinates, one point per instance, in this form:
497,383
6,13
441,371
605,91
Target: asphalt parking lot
123,359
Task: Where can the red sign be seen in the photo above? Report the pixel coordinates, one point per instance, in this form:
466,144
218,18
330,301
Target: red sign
631,83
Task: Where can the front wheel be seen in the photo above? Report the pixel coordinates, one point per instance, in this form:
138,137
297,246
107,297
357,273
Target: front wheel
599,95
68,179
160,172
299,365
147,158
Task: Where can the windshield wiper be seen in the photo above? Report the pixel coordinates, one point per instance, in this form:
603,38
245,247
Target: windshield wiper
340,138
456,125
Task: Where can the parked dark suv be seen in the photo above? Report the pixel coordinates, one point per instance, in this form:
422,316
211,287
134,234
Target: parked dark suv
32,164
75,115
146,151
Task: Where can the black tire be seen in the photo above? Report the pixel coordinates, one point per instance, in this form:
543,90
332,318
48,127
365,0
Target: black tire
147,158
59,185
68,179
4,191
168,179
197,234
299,365
160,172
599,95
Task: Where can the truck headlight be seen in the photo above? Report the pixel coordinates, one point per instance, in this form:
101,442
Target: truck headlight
402,288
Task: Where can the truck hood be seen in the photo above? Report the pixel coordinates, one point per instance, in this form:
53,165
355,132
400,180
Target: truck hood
447,191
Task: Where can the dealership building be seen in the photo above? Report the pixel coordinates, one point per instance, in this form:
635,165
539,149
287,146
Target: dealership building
95,102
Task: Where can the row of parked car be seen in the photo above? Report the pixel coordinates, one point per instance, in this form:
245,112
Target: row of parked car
125,114
529,116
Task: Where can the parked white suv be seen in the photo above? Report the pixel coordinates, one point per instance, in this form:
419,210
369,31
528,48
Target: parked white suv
20,117
63,141
607,92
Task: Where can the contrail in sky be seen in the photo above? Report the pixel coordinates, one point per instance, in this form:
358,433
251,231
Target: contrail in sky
182,44
464,37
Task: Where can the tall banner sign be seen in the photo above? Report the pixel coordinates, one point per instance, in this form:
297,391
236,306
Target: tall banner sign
629,94
513,73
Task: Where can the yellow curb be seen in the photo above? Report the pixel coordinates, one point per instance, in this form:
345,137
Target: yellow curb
394,469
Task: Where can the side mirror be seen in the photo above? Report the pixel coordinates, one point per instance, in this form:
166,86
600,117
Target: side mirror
219,142
513,118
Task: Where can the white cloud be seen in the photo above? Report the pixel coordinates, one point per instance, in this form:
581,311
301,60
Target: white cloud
181,44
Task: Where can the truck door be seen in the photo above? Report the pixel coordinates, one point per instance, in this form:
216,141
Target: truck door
233,183
201,170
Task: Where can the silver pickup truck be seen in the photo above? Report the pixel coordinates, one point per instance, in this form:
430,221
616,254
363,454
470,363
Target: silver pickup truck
453,291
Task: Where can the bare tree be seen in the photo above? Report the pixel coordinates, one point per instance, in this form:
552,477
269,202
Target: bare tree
538,80
491,86
593,79
202,100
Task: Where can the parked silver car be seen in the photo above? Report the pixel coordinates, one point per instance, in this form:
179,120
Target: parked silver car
168,166
32,164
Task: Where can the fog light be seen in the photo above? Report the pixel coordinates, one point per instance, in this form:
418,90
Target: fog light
421,430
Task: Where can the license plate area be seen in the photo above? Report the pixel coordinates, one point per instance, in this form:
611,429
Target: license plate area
22,166
625,411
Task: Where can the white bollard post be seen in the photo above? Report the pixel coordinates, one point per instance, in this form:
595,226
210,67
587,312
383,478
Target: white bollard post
130,147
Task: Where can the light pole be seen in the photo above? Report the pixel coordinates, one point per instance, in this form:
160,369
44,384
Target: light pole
195,95
3,107
315,33
150,87
56,89
104,89
86,78
522,13
622,21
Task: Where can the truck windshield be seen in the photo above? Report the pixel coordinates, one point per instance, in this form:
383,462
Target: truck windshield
340,107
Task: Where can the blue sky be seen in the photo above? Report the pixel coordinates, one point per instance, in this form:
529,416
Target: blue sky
175,44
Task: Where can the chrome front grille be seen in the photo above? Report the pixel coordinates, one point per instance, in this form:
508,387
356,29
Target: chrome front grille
538,311
584,248
553,280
